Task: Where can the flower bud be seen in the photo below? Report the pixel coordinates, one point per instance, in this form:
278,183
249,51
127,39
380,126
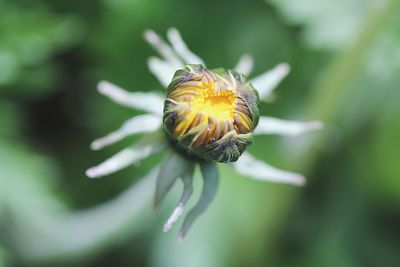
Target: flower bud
210,114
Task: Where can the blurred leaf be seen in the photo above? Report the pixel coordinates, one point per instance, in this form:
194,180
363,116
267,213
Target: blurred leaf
327,24
9,118
3,257
379,160
39,226
29,38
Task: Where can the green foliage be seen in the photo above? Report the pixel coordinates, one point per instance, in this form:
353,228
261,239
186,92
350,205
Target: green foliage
328,24
30,36
345,61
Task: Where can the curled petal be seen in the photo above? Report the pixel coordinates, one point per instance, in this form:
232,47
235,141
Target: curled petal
161,69
268,125
245,65
165,51
259,170
147,146
139,124
181,48
150,102
187,180
266,82
210,185
173,167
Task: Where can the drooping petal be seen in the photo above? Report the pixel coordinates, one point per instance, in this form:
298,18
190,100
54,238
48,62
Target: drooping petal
173,167
210,185
259,170
147,146
266,82
187,180
165,51
182,49
150,102
161,69
245,64
269,125
140,124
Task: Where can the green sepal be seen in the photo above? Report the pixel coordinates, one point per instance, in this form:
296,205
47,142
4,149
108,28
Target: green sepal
210,175
173,167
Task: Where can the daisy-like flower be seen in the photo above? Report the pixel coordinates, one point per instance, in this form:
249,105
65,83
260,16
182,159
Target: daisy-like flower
208,116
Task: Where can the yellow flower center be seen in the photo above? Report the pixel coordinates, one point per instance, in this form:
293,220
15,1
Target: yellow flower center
209,107
219,106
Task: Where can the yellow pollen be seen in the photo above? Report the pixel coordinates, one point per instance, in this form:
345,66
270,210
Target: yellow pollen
220,107
211,111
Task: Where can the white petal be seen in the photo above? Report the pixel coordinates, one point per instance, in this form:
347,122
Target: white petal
268,125
163,49
150,102
139,124
122,159
259,170
163,71
245,64
181,48
267,81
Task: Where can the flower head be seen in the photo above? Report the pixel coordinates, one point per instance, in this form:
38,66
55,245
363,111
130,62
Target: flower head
211,113
209,117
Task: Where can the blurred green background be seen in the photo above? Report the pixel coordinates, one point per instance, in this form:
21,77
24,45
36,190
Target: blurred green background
345,59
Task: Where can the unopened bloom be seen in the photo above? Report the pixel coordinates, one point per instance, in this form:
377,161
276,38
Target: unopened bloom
211,114
207,117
